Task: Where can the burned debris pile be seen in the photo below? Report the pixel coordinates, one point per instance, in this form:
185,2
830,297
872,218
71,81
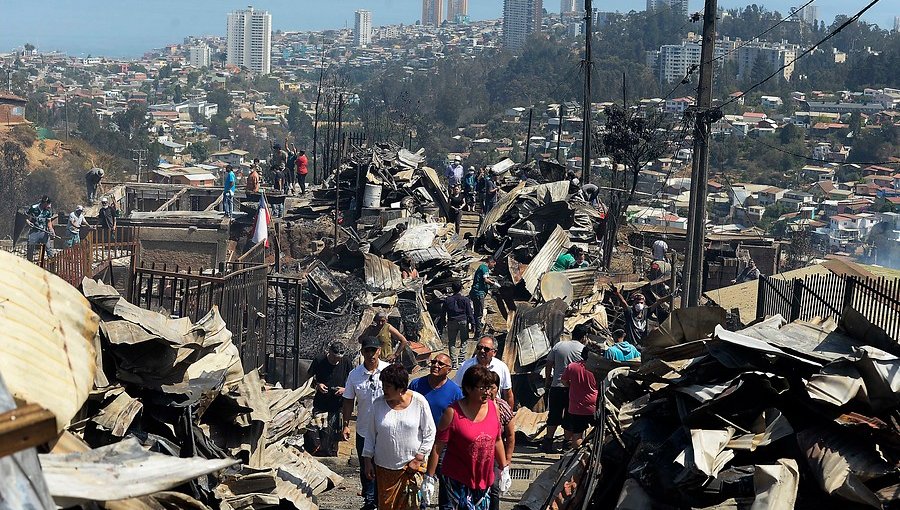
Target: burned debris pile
173,420
798,415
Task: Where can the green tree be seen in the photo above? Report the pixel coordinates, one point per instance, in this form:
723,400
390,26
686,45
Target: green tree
199,151
218,127
221,98
177,96
293,116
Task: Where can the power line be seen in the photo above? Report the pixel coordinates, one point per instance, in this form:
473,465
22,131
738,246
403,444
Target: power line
806,52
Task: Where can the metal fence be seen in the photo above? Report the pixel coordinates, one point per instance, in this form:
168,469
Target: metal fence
877,299
262,311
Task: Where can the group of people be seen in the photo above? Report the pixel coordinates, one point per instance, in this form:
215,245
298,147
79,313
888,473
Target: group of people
432,439
42,231
470,188
287,174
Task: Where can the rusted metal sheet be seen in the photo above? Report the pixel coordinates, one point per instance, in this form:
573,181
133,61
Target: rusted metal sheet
541,263
500,209
325,282
381,274
551,317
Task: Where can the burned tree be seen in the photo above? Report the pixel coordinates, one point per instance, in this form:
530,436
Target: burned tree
13,163
631,139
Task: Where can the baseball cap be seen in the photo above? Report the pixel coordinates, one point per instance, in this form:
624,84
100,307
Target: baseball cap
104,199
79,208
368,342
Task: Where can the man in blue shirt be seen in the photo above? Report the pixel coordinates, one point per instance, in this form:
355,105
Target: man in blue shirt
440,391
621,350
459,315
228,191
40,219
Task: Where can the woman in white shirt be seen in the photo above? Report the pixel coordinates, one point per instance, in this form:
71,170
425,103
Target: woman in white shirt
401,434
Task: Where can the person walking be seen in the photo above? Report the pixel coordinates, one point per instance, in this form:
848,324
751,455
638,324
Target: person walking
40,219
470,186
484,357
481,283
582,404
302,170
363,386
76,221
228,189
459,314
92,181
400,436
440,391
329,371
392,341
469,432
507,435
564,352
454,173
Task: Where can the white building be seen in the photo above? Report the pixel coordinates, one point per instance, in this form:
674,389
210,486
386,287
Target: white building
432,12
457,10
679,6
200,55
362,29
775,55
808,14
249,40
521,18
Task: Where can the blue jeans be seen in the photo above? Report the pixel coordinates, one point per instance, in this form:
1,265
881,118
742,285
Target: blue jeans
228,204
370,502
37,238
74,238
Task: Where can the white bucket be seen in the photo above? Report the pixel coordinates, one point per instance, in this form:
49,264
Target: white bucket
372,196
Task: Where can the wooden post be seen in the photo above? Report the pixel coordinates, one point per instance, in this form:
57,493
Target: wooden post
796,299
761,286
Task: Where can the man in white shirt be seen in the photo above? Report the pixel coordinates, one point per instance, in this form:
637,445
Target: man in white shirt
76,220
659,249
484,356
364,386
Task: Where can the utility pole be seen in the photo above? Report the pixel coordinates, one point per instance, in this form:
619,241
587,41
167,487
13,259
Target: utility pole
66,96
337,169
696,233
138,156
588,67
528,138
559,131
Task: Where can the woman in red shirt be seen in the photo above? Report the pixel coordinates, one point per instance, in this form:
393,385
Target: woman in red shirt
470,432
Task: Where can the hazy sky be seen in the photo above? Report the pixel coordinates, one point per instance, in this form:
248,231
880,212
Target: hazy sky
128,28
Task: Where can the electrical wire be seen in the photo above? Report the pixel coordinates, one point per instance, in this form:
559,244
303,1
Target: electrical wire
845,24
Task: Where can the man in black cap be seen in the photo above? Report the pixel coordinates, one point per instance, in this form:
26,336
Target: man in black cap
329,372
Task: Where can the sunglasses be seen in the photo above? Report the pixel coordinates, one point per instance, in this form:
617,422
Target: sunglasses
484,348
439,363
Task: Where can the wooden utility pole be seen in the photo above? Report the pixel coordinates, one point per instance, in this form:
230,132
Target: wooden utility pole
693,264
559,131
528,137
588,68
316,119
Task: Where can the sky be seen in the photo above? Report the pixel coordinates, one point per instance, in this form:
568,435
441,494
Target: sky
128,28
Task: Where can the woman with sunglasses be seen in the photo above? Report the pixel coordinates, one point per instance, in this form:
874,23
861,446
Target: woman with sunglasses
401,434
469,436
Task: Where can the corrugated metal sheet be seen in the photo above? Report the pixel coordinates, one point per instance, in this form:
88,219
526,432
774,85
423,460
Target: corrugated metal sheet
428,254
500,209
551,316
541,263
435,188
410,159
504,165
533,344
550,192
381,274
583,281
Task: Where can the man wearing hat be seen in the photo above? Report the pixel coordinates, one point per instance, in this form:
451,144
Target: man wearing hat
364,386
329,372
76,220
454,173
392,341
106,215
470,185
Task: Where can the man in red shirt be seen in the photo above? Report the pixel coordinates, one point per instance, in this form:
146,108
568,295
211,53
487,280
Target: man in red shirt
302,170
582,401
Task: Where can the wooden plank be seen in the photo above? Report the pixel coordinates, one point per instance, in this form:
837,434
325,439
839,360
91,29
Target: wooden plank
24,427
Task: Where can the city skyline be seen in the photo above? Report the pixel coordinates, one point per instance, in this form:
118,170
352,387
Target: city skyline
65,26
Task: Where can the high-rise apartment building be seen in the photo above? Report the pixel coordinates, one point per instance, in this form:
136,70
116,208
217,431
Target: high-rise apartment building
249,40
896,23
200,55
808,14
521,18
566,6
678,6
457,10
362,29
774,55
432,12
